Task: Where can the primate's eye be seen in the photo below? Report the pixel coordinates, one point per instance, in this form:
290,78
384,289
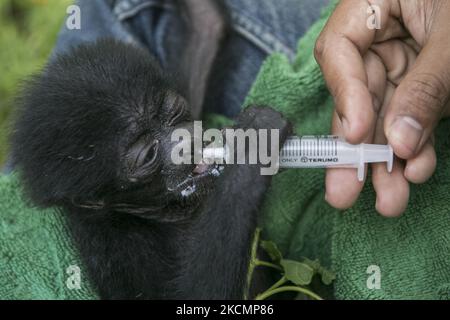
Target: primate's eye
142,153
148,154
177,110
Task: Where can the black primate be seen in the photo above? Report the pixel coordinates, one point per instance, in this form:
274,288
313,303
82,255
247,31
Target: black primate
92,138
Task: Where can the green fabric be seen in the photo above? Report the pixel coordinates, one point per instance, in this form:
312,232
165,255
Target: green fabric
413,252
35,250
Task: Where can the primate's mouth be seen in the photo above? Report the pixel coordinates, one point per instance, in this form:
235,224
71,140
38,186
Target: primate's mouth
203,169
198,182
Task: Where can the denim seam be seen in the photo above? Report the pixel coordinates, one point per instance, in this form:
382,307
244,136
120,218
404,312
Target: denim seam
133,9
255,33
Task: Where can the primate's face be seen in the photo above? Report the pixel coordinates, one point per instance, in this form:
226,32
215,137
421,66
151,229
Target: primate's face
101,118
148,108
148,174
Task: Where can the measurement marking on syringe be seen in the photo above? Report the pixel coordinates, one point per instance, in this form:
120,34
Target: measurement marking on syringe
315,146
322,149
318,147
326,151
308,150
319,150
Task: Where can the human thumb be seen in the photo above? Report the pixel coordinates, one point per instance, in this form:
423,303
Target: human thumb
419,101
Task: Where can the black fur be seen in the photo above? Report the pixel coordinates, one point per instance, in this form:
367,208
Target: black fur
78,143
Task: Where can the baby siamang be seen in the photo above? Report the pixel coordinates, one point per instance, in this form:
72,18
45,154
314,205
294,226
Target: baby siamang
92,138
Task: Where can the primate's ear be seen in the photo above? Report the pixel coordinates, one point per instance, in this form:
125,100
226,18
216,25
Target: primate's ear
207,23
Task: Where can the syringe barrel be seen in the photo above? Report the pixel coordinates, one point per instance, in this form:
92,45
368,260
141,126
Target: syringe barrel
317,152
323,152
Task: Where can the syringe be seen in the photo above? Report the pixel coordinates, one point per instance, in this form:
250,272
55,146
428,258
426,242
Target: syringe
324,152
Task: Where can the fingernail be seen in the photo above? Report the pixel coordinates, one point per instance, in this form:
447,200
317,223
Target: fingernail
406,131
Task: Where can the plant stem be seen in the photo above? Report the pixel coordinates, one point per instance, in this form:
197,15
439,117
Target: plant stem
253,261
261,263
279,283
269,293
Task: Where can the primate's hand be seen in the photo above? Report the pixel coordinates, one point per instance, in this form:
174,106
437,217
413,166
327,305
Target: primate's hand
263,117
390,85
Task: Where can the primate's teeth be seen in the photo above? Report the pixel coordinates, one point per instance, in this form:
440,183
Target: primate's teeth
188,191
201,168
215,172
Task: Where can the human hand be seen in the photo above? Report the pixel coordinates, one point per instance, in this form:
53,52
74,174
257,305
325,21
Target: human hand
390,85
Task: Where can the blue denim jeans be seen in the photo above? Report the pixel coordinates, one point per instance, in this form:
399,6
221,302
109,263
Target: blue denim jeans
259,28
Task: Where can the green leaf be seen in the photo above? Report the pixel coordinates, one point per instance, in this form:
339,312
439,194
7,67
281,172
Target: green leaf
327,276
297,272
272,250
315,264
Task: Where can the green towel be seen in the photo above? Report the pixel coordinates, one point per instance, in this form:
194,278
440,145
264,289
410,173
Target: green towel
412,252
36,252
